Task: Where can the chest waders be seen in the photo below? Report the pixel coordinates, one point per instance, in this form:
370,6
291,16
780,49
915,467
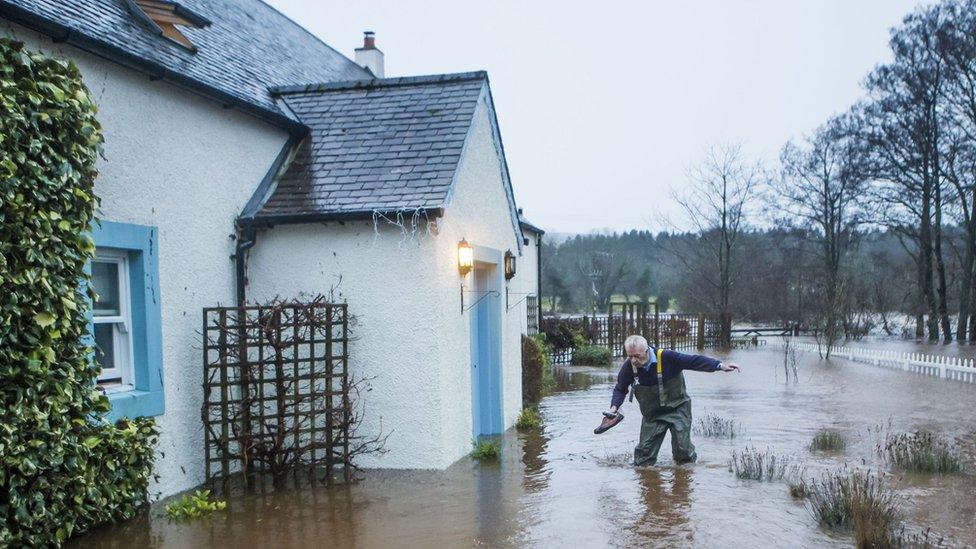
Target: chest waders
664,407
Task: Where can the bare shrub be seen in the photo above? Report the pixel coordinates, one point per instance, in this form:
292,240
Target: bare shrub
921,452
754,464
712,425
855,500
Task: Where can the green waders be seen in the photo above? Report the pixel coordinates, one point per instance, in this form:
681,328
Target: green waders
664,407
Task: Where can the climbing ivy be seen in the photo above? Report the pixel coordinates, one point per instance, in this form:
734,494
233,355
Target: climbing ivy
62,468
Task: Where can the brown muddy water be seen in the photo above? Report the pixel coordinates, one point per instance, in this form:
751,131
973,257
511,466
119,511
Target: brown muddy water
563,485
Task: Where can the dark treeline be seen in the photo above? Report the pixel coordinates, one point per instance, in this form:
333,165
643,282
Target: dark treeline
873,213
775,278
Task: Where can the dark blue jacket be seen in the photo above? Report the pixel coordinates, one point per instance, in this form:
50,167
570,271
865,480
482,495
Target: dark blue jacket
674,363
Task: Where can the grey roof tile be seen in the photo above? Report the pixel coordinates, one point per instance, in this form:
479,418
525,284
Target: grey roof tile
248,48
385,144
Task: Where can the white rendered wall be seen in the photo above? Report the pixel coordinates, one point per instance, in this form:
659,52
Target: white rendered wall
389,286
478,212
186,165
528,269
411,334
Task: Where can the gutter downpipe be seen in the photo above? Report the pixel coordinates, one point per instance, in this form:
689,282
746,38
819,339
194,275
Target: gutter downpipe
248,237
538,276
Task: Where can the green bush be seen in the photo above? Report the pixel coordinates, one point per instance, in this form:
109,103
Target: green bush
192,506
486,450
827,440
534,360
62,469
591,355
528,419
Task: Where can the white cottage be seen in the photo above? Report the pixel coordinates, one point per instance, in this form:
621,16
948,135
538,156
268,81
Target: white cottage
246,159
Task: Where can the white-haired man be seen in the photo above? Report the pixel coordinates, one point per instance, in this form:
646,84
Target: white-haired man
654,376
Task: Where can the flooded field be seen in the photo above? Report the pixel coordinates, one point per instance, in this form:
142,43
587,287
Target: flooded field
562,485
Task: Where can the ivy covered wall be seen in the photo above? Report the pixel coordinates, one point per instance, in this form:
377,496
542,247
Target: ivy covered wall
63,469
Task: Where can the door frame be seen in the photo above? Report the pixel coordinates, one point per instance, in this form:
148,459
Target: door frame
492,260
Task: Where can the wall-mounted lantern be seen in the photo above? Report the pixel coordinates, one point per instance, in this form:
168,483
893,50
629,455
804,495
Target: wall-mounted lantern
509,265
465,257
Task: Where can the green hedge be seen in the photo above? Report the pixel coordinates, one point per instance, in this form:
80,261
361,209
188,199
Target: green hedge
62,468
591,355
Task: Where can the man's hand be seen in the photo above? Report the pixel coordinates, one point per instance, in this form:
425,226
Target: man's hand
729,367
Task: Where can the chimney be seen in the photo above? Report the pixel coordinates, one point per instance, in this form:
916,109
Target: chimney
368,56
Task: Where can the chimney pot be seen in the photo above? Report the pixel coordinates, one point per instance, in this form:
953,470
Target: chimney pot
369,56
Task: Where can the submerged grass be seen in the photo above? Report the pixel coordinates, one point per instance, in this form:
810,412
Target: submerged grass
921,452
712,425
486,450
528,419
858,501
754,464
828,440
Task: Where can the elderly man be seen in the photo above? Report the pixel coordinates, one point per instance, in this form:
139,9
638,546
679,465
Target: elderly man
659,386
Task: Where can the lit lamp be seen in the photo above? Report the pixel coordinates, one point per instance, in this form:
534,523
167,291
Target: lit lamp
465,257
509,265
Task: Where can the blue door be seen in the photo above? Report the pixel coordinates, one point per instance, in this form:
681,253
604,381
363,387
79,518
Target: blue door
486,378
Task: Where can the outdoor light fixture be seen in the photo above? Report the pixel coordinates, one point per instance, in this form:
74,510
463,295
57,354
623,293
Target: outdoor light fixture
465,257
509,264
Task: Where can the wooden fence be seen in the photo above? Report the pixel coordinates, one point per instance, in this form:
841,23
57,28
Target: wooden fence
671,330
946,367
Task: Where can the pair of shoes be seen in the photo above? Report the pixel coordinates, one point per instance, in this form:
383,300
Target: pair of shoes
609,420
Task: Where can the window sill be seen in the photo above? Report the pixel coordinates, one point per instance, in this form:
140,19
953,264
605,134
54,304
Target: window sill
134,403
112,388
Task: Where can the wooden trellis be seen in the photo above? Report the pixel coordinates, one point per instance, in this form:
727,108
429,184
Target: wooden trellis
276,389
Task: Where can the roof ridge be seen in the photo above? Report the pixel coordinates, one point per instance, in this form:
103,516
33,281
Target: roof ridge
380,82
310,33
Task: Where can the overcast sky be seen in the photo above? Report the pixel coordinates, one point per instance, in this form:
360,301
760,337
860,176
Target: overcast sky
604,106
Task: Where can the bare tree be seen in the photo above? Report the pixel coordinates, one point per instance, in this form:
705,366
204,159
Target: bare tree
715,202
820,184
957,41
604,274
905,132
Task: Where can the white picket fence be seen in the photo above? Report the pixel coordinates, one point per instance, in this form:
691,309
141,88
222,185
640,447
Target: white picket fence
947,367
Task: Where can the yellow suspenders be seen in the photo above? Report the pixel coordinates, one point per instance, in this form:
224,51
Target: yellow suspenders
660,376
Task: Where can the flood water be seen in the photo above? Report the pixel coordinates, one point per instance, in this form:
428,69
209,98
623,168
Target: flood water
563,485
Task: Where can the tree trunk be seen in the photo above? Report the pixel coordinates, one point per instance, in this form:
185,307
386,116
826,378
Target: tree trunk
925,264
964,294
940,267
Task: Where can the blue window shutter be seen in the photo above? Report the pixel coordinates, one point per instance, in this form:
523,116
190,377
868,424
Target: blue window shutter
140,243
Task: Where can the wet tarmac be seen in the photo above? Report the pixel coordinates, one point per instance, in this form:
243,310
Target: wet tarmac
563,486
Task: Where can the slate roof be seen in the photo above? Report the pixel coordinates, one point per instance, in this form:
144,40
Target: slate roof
526,224
381,145
248,48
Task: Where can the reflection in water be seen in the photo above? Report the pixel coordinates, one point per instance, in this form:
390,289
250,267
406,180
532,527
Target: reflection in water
666,498
562,485
536,476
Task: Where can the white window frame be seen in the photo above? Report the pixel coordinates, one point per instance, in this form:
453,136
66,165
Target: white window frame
118,378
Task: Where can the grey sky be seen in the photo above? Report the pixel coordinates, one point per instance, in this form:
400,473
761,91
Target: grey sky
604,106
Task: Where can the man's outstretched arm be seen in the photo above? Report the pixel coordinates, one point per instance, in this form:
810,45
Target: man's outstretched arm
699,363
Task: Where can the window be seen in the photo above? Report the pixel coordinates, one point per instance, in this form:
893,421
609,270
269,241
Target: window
164,16
112,319
126,320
